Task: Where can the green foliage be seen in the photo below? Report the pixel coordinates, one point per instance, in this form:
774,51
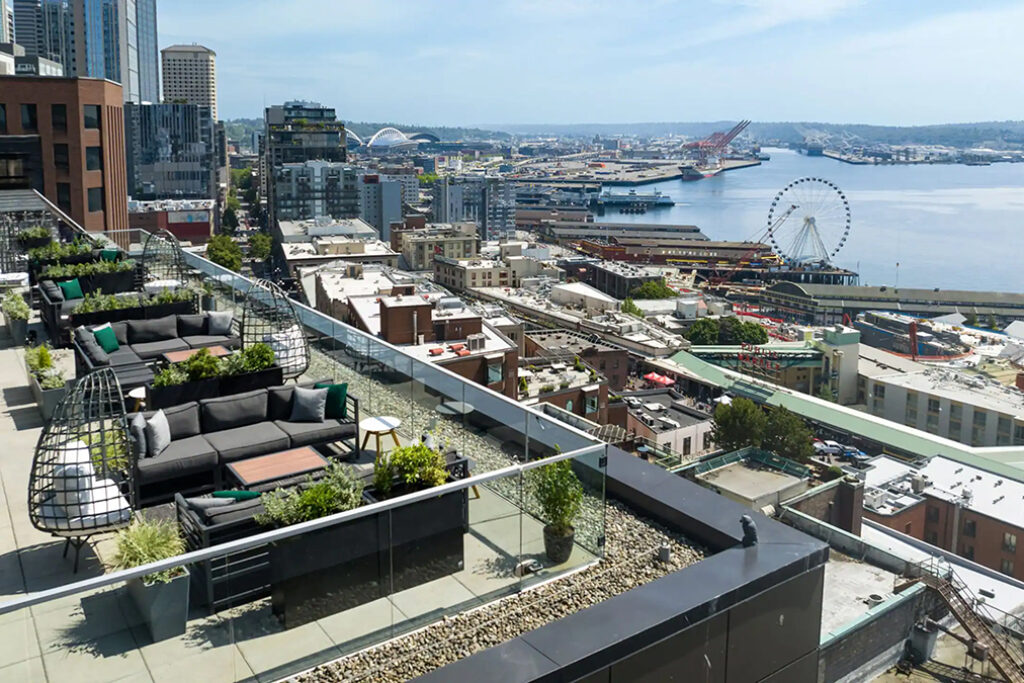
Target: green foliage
51,379
990,322
59,270
383,477
786,434
241,178
428,179
94,302
145,541
547,388
170,376
972,320
14,306
202,365
38,358
170,296
250,195
335,492
36,232
524,386
577,364
738,424
224,251
58,250
725,331
832,473
416,466
559,493
253,358
653,289
704,332
631,308
825,392
108,449
230,220
259,246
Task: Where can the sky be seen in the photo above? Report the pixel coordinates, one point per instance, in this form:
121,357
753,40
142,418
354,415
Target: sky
478,62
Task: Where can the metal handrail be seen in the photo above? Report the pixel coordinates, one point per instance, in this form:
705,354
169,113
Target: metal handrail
283,533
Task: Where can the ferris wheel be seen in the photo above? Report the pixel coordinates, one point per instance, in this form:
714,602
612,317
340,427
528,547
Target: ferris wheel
809,221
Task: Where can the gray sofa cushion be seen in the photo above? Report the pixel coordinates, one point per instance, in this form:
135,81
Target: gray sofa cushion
90,347
306,433
243,509
248,441
238,410
190,325
124,356
183,420
219,322
52,291
158,329
154,349
183,457
308,405
203,340
137,430
158,434
279,402
121,332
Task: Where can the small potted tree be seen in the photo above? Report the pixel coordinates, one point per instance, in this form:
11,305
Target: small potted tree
46,382
162,597
560,495
16,313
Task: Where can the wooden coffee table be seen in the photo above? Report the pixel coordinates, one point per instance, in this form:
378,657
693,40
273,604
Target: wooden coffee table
281,465
181,356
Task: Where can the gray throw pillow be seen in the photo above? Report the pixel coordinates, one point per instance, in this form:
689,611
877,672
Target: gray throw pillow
308,405
137,427
158,434
220,322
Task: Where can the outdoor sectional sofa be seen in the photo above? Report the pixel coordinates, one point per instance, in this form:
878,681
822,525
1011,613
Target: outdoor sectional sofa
144,341
209,434
55,311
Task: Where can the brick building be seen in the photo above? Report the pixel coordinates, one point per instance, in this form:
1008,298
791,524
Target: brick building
65,138
610,361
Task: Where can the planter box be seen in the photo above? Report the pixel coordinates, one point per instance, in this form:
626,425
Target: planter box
47,399
34,242
237,384
163,606
165,397
18,329
161,310
100,317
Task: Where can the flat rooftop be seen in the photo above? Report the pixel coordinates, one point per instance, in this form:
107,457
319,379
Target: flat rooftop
749,482
311,251
567,340
670,408
850,589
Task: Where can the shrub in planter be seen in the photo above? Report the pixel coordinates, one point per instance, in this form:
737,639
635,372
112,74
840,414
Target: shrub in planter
335,492
16,313
560,495
57,251
34,237
162,597
410,468
46,382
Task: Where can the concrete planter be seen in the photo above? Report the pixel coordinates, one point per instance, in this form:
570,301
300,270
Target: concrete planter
17,328
163,606
46,400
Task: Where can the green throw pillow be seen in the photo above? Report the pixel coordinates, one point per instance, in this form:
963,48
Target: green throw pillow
72,289
237,495
106,338
109,254
337,406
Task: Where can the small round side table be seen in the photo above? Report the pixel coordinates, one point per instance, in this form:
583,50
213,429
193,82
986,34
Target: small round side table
378,427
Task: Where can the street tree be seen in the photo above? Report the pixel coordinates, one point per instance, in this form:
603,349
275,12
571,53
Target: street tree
738,424
787,434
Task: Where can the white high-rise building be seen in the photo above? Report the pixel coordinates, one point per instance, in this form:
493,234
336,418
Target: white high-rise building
6,23
190,75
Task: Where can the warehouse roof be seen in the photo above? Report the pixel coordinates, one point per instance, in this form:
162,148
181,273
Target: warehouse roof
884,294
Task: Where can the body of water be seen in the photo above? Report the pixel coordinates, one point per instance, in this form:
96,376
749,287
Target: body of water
946,225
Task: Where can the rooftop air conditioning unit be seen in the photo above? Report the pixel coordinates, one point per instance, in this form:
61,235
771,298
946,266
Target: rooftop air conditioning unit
476,341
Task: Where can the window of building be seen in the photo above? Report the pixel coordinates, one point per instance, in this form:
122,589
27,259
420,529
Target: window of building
64,196
1009,542
970,528
568,405
591,404
932,537
908,528
1006,567
1003,427
495,373
59,117
686,446
932,513
1018,434
707,440
60,157
968,552
956,415
95,199
29,120
93,159
91,116
933,405
911,415
3,118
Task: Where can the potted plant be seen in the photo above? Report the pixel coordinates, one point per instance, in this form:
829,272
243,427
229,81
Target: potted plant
97,308
109,276
560,495
206,296
191,380
169,302
251,368
34,237
46,382
161,597
319,573
16,313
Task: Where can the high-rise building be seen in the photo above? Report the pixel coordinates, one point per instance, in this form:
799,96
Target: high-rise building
296,132
111,39
190,75
171,151
65,138
6,23
487,200
316,188
381,203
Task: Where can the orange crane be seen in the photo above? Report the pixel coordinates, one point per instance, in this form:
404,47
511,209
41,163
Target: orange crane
713,144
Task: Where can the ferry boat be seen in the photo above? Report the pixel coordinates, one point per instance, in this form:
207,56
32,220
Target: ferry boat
633,198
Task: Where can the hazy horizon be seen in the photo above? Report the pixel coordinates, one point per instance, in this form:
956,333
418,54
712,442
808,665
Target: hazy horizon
461,63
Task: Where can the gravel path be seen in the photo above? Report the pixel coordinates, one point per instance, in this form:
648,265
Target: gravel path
631,559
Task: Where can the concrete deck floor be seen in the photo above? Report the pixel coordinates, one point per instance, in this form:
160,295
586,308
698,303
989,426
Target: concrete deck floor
848,583
100,636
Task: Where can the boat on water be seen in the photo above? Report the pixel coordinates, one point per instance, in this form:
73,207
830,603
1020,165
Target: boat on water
691,172
634,198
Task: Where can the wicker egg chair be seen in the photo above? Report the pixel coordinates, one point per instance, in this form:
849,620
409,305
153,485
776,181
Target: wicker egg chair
269,316
163,264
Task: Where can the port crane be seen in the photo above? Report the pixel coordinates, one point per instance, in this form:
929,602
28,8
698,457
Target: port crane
712,145
721,277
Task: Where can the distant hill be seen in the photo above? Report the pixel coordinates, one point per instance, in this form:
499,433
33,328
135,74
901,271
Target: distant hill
997,134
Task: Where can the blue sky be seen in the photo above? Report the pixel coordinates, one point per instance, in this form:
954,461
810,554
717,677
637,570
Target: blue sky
564,61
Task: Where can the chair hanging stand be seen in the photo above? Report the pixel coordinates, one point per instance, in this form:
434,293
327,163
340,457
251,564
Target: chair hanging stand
270,317
163,263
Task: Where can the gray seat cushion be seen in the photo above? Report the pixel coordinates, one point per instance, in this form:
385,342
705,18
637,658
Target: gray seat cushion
150,350
181,458
52,291
157,329
237,410
308,433
124,356
200,341
242,510
248,441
